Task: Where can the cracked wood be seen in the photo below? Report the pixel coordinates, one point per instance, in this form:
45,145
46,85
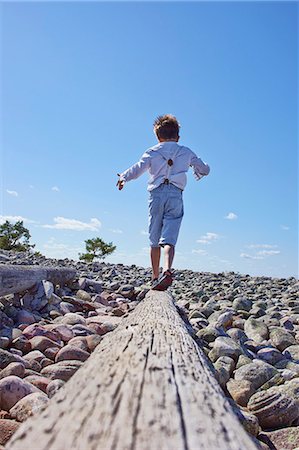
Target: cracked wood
147,386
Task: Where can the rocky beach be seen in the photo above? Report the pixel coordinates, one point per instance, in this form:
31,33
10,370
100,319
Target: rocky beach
247,326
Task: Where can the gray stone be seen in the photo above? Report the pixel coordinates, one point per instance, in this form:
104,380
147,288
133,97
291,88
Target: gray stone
225,346
281,338
256,330
257,373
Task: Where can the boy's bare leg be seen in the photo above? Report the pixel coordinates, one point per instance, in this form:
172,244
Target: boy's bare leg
155,259
168,256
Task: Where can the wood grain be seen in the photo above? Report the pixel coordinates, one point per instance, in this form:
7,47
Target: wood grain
147,386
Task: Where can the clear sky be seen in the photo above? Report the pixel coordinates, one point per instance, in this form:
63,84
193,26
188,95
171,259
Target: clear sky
81,86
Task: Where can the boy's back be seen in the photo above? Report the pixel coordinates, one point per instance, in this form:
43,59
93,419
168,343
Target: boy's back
167,163
155,160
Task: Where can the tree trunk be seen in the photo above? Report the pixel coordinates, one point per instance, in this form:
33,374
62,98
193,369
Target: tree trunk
147,386
17,278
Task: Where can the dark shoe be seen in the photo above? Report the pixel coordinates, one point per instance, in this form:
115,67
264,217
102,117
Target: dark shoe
163,282
153,282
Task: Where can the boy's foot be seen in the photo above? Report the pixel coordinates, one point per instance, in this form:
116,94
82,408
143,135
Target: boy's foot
163,282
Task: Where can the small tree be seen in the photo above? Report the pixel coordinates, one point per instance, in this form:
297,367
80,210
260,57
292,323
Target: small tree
15,237
96,248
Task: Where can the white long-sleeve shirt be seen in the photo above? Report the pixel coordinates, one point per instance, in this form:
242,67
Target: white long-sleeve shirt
155,161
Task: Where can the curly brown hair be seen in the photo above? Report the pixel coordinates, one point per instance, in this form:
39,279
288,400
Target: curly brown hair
166,127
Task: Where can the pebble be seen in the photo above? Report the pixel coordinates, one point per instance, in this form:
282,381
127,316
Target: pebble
12,389
28,406
62,370
71,353
14,368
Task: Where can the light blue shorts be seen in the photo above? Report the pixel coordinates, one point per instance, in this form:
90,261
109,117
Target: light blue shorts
166,211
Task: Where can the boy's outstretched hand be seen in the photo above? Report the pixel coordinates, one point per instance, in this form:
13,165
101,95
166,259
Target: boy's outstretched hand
120,184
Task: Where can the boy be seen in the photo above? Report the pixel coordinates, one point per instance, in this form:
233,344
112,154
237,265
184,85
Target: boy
167,163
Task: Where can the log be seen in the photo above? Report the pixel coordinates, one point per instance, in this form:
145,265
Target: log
147,386
18,278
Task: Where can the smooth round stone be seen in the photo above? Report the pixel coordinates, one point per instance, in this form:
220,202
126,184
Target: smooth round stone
225,320
257,373
256,330
22,343
64,332
225,346
270,355
28,406
34,330
34,355
71,353
7,358
210,333
14,368
237,335
83,295
93,341
12,389
281,338
62,370
73,319
7,429
39,382
292,352
240,390
41,343
273,409
51,352
224,368
54,387
242,303
79,342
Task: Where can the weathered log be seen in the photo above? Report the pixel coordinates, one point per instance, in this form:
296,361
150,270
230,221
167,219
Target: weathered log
19,278
147,386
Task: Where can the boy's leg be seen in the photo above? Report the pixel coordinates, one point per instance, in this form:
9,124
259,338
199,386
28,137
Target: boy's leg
168,256
155,259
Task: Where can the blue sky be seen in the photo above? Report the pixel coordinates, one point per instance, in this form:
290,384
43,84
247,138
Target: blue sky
81,86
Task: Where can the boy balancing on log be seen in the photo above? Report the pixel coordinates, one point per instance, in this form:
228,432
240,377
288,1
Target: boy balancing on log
167,164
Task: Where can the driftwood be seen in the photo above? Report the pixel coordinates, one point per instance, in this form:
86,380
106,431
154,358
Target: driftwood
17,278
147,386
